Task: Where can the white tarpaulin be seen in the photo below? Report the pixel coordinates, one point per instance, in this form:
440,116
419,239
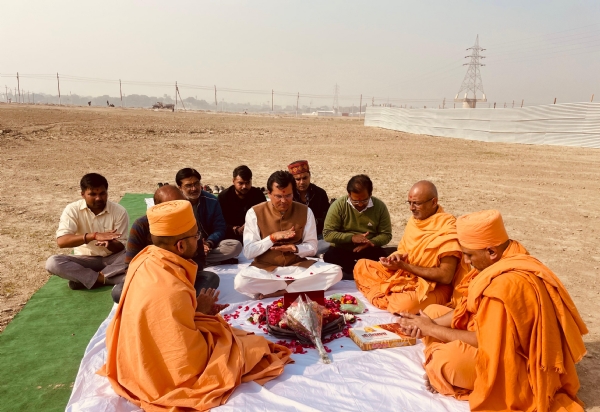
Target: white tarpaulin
569,124
378,380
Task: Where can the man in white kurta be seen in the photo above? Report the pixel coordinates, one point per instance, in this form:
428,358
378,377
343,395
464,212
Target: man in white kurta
279,235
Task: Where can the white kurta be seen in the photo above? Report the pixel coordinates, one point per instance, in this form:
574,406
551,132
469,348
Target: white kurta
252,280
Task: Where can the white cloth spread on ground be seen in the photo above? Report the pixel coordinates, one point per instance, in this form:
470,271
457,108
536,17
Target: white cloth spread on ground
377,380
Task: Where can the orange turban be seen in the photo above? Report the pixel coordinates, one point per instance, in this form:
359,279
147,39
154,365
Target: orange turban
480,230
171,218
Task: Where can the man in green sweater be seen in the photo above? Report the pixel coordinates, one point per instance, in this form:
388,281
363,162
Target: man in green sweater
357,226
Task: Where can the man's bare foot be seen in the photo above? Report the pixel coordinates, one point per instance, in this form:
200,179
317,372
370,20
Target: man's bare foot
260,296
428,384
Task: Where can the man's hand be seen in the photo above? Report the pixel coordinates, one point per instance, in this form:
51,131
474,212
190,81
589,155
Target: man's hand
284,234
359,239
285,248
394,262
239,230
217,307
107,236
207,246
362,246
416,326
207,301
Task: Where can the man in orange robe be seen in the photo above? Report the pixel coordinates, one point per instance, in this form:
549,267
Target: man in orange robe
513,341
426,265
168,349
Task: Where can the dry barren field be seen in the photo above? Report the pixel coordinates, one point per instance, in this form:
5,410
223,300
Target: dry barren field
549,196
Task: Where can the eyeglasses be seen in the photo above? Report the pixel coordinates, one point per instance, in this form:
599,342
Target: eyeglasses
417,204
360,202
190,185
197,236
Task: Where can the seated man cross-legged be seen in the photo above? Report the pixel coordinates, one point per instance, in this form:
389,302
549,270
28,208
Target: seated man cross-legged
357,226
209,216
279,235
425,266
513,339
237,199
96,228
139,238
168,349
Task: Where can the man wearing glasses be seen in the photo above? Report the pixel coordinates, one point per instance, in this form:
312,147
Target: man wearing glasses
139,238
279,235
209,217
357,226
426,265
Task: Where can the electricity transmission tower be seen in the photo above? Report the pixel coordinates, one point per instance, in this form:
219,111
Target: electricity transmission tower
336,92
472,82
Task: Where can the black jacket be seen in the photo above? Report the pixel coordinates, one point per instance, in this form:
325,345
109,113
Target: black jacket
318,201
234,209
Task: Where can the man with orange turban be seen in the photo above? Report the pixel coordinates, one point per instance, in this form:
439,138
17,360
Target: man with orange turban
426,265
168,349
514,339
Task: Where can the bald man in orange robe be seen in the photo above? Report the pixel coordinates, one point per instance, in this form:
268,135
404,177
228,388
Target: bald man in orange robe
168,349
426,265
513,341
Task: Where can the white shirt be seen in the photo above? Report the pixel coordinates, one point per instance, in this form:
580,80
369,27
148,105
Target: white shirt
78,219
370,204
255,246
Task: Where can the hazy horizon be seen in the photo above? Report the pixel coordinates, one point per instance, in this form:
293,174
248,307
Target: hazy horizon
409,52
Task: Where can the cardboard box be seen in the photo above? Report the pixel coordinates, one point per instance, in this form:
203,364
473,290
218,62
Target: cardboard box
387,335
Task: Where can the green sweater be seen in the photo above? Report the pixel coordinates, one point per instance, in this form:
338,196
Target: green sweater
343,222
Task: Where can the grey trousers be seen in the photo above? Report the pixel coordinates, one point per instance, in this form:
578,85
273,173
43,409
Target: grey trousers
84,269
227,249
204,280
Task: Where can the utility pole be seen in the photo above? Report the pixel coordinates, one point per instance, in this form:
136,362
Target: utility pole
554,100
6,92
522,101
272,94
32,98
18,87
360,109
297,101
216,104
175,94
444,103
373,101
336,103
180,99
58,81
121,93
592,99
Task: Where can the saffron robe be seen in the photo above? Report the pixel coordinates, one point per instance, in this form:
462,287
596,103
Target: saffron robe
426,242
163,355
529,336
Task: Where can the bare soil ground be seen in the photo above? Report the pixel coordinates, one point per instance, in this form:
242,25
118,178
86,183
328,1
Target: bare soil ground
549,196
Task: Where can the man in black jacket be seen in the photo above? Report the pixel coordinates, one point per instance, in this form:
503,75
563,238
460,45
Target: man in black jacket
312,196
237,199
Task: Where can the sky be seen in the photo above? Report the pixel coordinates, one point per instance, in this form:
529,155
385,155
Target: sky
407,52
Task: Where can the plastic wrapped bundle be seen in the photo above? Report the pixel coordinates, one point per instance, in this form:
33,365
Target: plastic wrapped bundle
306,319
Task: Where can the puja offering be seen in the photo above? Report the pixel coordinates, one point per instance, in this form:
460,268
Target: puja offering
348,303
306,319
382,336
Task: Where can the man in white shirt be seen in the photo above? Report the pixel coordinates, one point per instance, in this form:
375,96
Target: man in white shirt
96,228
279,235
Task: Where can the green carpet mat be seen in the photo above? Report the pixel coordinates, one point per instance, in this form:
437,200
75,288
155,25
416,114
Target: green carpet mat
41,348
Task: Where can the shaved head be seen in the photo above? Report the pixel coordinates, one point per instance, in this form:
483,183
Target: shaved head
424,187
422,199
167,193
